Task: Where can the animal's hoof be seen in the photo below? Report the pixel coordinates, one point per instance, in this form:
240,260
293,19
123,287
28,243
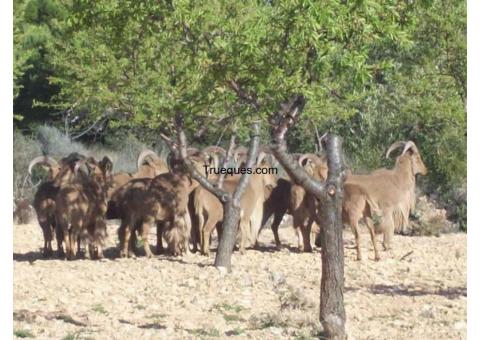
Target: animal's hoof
377,258
359,258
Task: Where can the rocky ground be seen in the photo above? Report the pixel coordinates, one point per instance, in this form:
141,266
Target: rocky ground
417,291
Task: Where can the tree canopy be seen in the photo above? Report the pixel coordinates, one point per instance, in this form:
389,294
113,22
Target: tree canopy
372,71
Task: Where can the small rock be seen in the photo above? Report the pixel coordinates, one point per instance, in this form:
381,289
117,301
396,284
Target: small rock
276,330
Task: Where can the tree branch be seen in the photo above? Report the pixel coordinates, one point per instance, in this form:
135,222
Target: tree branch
285,118
226,159
242,94
251,159
222,195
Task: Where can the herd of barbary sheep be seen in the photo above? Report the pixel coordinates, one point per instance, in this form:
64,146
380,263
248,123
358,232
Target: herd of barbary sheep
82,193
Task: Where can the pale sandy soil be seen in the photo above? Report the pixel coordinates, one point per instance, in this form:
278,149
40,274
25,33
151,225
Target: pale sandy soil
270,294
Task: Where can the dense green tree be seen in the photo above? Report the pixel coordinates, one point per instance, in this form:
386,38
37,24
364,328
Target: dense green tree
371,71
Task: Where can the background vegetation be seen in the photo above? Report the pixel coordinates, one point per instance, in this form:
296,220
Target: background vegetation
106,73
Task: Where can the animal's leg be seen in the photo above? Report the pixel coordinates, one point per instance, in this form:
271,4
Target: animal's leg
277,219
66,240
371,229
306,230
354,225
60,238
388,230
160,227
244,235
146,244
74,243
126,239
45,230
206,232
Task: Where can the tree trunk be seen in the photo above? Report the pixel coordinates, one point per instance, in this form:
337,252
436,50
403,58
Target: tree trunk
329,194
226,242
231,208
332,311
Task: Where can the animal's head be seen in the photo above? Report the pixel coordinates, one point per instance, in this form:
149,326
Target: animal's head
215,154
149,162
314,165
240,156
409,154
268,174
100,172
61,171
47,163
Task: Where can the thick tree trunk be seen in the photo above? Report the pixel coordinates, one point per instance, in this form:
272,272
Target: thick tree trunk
332,311
231,209
226,242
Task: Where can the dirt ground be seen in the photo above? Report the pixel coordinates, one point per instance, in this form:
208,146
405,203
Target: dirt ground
417,291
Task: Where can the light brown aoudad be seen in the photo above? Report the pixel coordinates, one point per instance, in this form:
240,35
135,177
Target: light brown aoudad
384,198
209,210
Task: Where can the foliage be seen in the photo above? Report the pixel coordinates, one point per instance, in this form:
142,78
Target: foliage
372,71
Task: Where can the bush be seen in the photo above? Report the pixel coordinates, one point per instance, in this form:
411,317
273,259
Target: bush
54,143
25,149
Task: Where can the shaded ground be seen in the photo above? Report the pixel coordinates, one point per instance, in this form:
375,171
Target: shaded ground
417,291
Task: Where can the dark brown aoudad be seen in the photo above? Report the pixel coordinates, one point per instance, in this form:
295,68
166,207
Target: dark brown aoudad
161,201
59,174
81,206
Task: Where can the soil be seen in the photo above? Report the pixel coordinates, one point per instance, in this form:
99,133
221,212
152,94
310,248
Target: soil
417,291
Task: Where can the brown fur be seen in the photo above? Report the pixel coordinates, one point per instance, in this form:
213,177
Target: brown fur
387,195
81,207
44,200
303,205
277,204
164,202
149,167
209,210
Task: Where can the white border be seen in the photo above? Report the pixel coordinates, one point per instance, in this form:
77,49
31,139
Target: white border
6,118
6,176
473,39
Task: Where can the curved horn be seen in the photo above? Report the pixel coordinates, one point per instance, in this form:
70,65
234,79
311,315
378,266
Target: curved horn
410,145
314,157
240,150
394,146
214,149
191,151
144,154
261,156
41,159
78,165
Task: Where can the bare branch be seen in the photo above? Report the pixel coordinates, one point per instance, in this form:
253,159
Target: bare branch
223,196
242,94
251,159
171,144
226,159
286,117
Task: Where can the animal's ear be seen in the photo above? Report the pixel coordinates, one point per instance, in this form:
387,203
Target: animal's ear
107,165
91,164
